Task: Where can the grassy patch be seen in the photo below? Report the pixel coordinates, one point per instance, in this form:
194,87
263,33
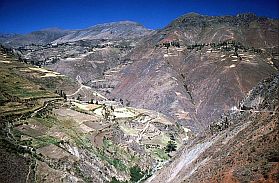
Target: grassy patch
120,159
118,164
84,142
160,153
136,174
22,88
47,121
107,143
17,133
44,140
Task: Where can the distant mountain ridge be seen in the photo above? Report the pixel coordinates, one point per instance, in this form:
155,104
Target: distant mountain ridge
40,37
113,30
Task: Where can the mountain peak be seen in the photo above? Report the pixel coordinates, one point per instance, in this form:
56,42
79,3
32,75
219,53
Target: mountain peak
117,23
52,29
192,14
113,30
127,22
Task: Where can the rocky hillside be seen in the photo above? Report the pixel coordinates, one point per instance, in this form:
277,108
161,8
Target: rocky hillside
199,66
240,147
193,70
57,130
117,102
85,53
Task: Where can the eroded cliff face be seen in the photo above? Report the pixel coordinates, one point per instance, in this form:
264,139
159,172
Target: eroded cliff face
199,67
241,147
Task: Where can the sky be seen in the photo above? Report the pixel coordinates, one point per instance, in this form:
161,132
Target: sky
23,16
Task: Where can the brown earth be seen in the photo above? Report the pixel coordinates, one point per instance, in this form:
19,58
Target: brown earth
245,151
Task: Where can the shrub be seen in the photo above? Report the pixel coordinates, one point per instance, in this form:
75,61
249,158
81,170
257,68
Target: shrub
136,173
171,146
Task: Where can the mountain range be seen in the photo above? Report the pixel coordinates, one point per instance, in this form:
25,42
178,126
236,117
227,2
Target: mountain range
114,30
197,100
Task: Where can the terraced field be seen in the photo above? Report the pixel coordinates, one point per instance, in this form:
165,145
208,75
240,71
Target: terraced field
19,95
57,137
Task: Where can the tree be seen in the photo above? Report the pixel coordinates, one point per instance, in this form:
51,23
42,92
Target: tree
171,146
121,101
64,96
136,174
167,44
172,137
78,97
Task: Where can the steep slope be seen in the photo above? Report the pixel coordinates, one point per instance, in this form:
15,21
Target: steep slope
241,147
90,63
199,66
193,70
138,96
87,53
52,137
247,28
85,59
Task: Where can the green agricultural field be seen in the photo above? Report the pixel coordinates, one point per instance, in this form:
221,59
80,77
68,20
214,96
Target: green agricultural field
18,94
22,88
